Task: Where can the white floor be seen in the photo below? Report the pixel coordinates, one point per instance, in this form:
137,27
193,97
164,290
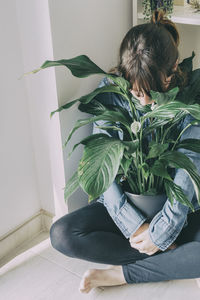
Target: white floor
39,272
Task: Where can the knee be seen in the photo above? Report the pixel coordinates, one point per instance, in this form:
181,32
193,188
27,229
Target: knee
61,236
55,234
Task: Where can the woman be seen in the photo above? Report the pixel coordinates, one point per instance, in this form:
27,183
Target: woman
110,230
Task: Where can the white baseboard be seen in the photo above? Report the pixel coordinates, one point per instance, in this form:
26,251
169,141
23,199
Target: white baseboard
39,222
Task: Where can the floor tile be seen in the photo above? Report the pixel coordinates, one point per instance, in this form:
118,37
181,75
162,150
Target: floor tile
79,266
39,279
76,266
35,241
174,289
39,272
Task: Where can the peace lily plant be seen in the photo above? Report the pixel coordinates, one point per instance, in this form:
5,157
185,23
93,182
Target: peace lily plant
145,160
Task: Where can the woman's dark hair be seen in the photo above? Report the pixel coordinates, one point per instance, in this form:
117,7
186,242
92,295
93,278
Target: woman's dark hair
149,53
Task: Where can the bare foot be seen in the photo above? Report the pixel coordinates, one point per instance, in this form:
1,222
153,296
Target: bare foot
198,282
105,277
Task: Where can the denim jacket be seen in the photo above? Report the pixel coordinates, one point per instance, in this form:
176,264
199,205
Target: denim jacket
167,224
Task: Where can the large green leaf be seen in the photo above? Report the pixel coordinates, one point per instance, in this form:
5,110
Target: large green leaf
170,110
163,98
86,140
125,164
190,144
195,76
97,108
80,66
174,191
194,110
112,116
108,127
177,160
156,150
191,93
156,123
131,146
145,170
99,165
139,106
94,107
89,97
194,91
120,81
159,168
186,65
179,116
71,186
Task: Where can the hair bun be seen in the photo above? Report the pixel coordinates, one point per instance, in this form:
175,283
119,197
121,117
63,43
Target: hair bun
159,18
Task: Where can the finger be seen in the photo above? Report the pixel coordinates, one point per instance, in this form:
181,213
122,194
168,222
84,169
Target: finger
137,239
140,237
133,245
138,246
149,253
142,251
144,248
146,251
153,251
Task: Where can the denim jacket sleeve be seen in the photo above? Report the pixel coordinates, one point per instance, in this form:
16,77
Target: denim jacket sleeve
167,224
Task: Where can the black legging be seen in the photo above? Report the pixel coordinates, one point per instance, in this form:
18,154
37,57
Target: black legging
89,233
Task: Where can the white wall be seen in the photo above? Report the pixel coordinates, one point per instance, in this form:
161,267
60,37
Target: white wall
32,172
32,169
19,195
90,27
35,33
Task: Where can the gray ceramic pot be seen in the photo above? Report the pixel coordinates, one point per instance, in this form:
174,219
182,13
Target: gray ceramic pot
148,205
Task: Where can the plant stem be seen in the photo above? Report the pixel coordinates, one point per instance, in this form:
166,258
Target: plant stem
166,132
161,134
132,107
137,160
160,183
180,135
133,186
140,159
150,179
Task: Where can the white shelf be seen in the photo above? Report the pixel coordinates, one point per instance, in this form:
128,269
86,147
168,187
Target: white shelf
182,15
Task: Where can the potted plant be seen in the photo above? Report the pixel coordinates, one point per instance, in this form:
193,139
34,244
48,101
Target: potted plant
145,159
151,5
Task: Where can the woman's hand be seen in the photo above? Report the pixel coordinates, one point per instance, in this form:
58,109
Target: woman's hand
141,241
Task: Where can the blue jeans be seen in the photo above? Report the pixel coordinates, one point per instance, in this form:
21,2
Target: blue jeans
89,233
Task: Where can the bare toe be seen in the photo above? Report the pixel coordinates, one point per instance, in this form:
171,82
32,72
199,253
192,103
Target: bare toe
104,277
85,284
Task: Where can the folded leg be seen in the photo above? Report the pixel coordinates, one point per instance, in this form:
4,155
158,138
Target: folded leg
90,234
